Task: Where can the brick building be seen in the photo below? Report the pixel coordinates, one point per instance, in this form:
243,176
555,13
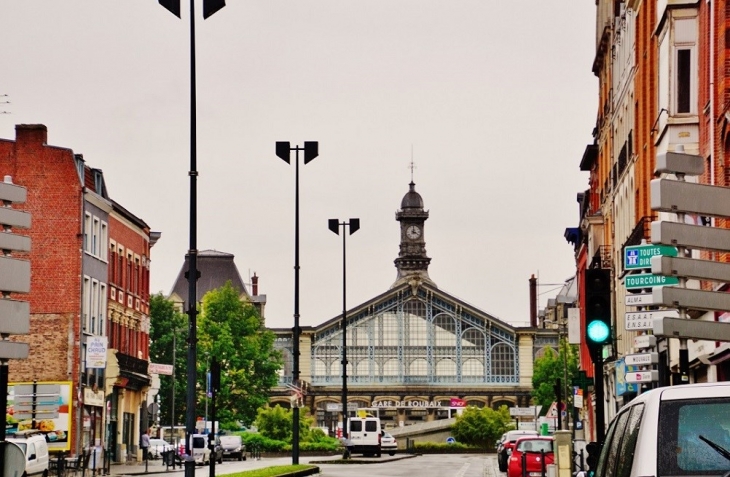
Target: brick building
89,292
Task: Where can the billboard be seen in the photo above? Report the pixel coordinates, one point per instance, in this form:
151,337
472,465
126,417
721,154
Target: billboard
56,426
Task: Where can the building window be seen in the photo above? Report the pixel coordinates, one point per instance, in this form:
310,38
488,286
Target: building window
86,305
684,57
87,232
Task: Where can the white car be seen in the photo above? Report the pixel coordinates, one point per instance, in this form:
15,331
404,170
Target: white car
674,430
157,447
388,443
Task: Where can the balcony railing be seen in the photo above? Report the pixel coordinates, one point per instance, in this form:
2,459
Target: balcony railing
133,365
602,257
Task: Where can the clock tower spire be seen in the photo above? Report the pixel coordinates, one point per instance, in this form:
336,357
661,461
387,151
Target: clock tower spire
412,262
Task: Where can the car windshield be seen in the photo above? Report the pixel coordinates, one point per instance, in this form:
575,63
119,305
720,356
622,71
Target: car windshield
694,436
535,445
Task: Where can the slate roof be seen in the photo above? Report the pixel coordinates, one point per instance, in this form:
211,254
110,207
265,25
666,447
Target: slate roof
216,268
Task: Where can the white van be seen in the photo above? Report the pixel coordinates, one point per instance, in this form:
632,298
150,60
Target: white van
364,436
677,430
199,446
34,446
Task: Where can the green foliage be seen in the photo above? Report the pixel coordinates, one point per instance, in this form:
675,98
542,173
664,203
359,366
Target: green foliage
481,426
231,330
444,448
254,440
551,367
168,327
274,471
276,423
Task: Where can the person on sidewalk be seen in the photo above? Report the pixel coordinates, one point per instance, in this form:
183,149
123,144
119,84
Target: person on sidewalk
144,444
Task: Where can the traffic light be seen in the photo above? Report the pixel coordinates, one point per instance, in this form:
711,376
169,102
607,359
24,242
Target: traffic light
593,449
598,308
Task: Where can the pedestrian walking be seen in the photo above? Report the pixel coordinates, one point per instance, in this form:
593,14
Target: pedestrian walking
144,443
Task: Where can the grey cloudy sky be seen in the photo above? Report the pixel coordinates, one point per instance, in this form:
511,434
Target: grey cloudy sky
494,101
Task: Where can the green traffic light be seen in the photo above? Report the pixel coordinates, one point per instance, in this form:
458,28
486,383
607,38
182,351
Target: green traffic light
597,331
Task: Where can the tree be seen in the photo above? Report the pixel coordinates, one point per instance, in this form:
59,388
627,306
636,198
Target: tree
168,326
276,423
231,330
551,367
481,426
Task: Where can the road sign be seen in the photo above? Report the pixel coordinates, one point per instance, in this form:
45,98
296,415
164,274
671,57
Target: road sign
164,369
642,376
679,162
692,329
644,341
522,411
641,359
20,313
691,198
644,320
638,299
692,299
648,280
637,257
691,236
691,268
13,350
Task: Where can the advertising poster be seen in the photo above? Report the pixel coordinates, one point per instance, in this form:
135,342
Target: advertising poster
52,404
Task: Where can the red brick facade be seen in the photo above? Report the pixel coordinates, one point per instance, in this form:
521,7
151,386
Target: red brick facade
55,203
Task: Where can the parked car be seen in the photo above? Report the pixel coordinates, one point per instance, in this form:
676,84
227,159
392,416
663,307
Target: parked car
537,452
505,448
157,447
676,430
233,447
34,446
388,443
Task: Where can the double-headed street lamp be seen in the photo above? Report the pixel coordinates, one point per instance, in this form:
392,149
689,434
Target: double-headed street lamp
283,151
334,226
209,8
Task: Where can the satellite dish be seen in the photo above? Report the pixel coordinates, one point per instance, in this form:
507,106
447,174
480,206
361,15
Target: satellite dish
14,459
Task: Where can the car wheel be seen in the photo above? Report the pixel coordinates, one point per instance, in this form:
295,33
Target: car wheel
391,453
244,457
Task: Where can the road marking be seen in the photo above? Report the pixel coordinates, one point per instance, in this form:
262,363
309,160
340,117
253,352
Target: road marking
462,471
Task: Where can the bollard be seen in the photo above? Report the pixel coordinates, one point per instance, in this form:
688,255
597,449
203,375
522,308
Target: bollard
524,464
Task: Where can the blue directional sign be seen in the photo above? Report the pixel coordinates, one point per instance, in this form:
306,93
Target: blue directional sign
638,257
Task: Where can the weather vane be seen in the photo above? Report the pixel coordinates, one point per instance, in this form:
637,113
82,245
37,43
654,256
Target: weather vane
412,166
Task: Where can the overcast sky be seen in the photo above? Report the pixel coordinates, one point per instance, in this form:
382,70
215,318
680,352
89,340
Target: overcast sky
494,101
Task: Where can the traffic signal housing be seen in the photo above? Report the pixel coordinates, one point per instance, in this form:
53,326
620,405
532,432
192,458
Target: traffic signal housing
598,308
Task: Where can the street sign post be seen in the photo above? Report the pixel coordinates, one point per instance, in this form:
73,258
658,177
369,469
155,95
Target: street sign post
644,341
692,329
648,280
641,359
642,376
637,257
644,320
639,299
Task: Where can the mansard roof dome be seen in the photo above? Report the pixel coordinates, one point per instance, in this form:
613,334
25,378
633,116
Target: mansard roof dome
412,199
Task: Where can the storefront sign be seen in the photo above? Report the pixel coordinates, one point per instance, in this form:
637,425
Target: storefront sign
408,404
456,402
96,352
92,398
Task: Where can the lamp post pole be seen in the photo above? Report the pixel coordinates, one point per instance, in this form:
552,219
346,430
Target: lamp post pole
283,151
334,226
209,8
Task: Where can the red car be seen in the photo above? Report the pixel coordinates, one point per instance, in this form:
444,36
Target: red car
533,448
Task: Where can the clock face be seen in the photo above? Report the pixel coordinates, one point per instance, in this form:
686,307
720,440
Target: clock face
413,232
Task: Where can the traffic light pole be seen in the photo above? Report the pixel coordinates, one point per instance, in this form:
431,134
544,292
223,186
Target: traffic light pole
599,391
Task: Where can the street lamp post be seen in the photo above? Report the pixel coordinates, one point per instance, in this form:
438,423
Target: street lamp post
209,8
334,226
283,151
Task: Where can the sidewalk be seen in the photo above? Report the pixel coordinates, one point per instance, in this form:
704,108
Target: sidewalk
157,468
